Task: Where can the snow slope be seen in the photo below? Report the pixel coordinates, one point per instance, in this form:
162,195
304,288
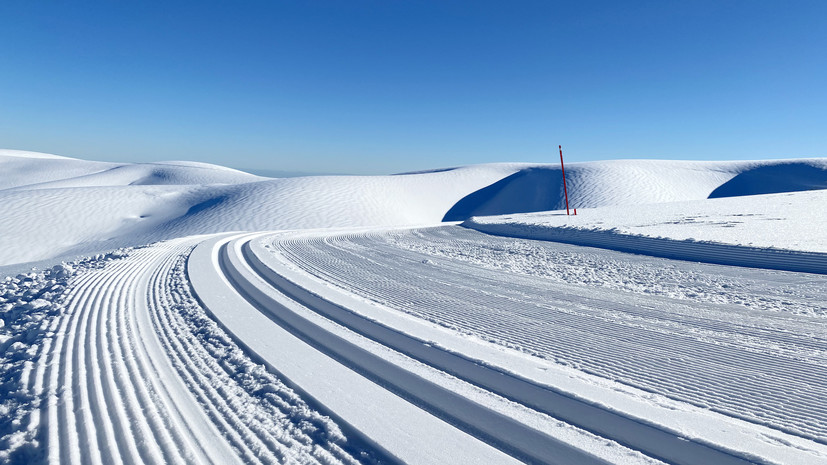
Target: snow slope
636,182
32,170
56,207
77,207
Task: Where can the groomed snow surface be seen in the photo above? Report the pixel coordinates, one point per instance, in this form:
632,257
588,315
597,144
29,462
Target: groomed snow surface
190,313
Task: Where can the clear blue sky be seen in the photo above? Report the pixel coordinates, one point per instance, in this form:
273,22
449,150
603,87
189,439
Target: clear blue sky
388,86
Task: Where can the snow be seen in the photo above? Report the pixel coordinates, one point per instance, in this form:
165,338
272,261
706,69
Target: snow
29,303
617,327
28,154
638,182
361,333
51,215
790,221
58,208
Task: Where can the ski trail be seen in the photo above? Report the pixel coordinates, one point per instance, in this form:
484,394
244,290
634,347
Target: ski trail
200,387
739,362
135,372
103,408
56,365
689,351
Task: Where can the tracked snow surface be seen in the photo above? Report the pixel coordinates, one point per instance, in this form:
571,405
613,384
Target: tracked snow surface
182,312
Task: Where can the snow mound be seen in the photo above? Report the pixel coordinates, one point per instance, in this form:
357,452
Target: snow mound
30,170
775,178
27,154
88,207
634,182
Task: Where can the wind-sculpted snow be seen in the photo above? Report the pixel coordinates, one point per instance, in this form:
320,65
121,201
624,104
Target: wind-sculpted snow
125,367
772,179
27,171
637,182
59,208
27,168
52,211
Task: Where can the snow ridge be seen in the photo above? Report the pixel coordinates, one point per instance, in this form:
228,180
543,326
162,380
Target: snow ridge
708,252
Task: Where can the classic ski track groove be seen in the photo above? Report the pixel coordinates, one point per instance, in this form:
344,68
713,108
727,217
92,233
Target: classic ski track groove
488,426
101,407
715,374
122,387
234,253
653,441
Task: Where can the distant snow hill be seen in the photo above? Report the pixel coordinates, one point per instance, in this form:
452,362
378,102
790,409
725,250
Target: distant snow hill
634,182
56,207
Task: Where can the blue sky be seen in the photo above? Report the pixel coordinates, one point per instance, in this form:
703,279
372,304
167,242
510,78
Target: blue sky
390,86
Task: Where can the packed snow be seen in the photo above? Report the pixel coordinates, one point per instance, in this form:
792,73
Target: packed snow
183,312
789,221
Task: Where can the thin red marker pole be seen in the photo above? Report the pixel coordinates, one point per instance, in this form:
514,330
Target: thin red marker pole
565,191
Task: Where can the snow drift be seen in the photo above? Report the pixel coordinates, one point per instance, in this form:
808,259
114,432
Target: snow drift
632,182
57,207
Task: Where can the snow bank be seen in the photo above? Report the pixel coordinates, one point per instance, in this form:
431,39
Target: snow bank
779,231
635,182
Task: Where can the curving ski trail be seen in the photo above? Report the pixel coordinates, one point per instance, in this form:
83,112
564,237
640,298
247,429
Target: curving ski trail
741,363
422,348
135,373
736,362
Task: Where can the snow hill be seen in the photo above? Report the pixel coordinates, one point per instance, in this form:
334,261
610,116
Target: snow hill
634,182
57,207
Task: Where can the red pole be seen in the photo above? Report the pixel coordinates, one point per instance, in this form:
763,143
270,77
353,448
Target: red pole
565,191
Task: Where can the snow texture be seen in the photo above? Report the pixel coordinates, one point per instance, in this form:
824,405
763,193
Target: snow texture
59,208
360,332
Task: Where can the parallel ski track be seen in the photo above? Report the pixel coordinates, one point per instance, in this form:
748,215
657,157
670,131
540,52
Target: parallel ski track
126,384
692,352
111,396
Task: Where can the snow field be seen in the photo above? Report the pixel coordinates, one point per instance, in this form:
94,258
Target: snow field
56,207
631,185
778,231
